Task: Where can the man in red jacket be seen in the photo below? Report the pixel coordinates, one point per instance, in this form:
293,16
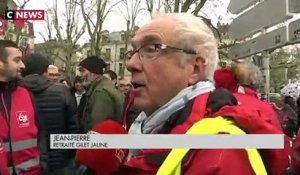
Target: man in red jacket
229,79
172,62
20,132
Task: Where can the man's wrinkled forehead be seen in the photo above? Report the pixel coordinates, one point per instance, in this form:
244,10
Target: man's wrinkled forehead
159,30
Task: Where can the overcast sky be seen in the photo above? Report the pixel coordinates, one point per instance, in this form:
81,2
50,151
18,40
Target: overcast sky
115,21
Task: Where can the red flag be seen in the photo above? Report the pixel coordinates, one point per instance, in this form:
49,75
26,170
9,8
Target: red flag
19,23
3,24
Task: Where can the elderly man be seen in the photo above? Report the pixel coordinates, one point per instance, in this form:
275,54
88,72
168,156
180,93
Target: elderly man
172,62
53,73
286,116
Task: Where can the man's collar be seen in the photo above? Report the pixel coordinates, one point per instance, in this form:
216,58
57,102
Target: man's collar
9,85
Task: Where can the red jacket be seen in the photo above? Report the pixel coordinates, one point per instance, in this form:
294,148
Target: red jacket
264,109
214,161
19,139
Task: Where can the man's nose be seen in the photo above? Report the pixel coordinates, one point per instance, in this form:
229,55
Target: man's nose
22,65
134,63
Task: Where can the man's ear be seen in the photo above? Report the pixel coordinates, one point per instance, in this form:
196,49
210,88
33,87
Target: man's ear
198,73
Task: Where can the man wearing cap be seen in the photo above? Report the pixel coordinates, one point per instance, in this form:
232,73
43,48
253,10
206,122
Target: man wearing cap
102,99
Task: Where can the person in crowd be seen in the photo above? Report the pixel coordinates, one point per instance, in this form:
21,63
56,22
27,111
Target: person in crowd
294,168
103,100
53,73
57,109
242,79
78,89
130,112
295,153
291,102
124,85
22,140
171,78
111,75
286,116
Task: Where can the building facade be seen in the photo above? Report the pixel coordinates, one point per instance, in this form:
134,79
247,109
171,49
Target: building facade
112,50
21,32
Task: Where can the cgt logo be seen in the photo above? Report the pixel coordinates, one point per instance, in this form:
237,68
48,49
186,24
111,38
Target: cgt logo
22,119
24,14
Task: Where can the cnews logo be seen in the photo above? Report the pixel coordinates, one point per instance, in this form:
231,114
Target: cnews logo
24,14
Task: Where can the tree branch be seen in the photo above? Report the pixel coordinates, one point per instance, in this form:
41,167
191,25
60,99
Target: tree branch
199,7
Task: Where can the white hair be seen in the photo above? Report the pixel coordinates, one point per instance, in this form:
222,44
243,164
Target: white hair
193,33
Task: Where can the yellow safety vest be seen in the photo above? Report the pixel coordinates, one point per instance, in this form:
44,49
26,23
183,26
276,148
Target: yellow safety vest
172,164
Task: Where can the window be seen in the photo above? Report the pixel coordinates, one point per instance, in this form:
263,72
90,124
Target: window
108,53
122,37
10,37
122,53
23,42
107,66
88,52
104,39
120,68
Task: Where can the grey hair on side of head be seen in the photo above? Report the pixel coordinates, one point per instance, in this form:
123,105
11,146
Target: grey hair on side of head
193,33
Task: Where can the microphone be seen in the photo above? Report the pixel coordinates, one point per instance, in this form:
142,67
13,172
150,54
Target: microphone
103,161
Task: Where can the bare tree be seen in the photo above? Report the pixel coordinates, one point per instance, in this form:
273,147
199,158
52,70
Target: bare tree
132,10
201,9
153,6
94,13
22,5
194,6
18,31
63,44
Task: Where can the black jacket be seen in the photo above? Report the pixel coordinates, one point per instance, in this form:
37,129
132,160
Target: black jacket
58,111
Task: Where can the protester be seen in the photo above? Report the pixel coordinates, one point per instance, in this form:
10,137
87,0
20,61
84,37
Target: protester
295,154
103,100
111,75
171,84
22,141
286,116
124,85
242,79
53,73
57,109
130,112
78,89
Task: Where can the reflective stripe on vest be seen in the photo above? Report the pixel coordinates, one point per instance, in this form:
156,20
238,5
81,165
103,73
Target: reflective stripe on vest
172,164
21,145
26,165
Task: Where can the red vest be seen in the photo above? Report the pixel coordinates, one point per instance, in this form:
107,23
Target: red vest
23,136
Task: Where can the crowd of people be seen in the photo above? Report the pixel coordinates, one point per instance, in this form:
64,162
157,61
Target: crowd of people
175,84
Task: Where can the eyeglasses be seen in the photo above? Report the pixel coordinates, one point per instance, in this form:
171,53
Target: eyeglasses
151,51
